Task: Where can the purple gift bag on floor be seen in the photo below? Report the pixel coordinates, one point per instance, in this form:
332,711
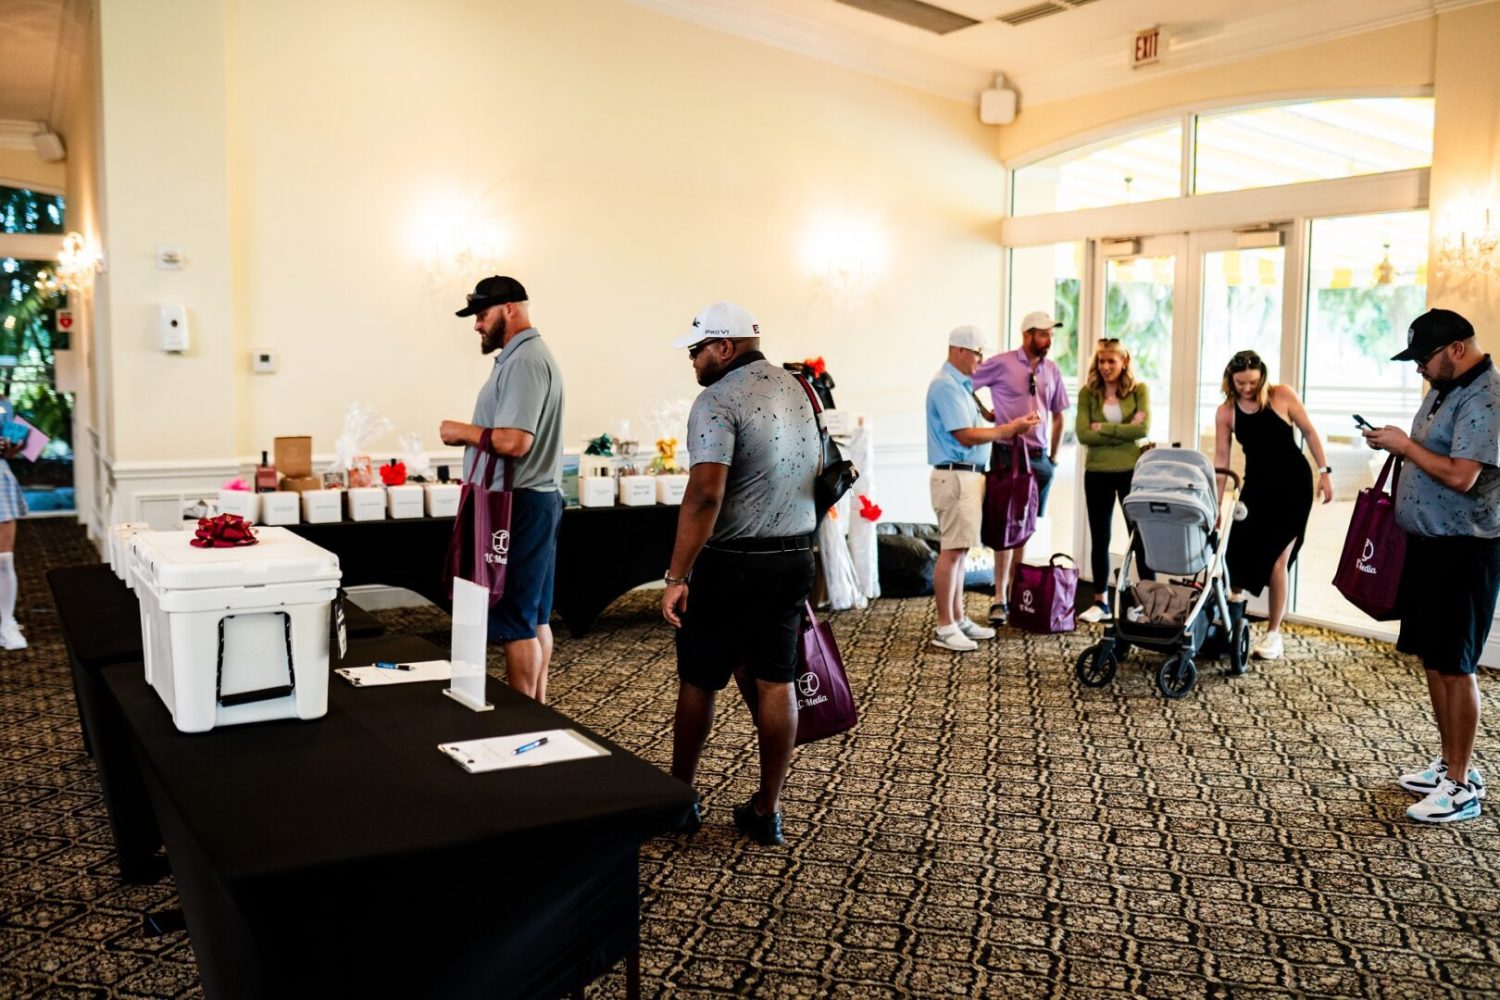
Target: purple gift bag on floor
825,705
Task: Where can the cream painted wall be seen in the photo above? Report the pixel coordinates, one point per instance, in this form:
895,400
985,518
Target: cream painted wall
25,167
1400,56
1466,158
640,166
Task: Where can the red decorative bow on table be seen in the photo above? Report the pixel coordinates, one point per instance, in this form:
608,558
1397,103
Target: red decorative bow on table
393,474
868,510
223,532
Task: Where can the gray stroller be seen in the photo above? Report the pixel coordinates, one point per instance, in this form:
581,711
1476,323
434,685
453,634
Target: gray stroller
1173,507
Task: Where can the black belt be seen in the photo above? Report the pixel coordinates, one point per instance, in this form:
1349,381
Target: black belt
745,546
960,466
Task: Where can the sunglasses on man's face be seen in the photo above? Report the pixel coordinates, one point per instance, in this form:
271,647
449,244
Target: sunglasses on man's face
697,349
1424,362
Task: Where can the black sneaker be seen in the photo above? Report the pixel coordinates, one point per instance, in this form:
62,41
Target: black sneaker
999,613
692,820
761,829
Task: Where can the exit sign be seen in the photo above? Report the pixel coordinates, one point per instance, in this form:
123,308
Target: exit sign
1147,47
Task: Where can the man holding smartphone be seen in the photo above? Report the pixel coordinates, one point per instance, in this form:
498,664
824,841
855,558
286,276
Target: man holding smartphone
1448,500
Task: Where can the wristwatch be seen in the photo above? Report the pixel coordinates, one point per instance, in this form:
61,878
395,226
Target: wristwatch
673,581
1326,470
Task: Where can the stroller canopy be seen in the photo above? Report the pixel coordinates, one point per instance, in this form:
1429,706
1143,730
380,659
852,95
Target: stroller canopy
1173,504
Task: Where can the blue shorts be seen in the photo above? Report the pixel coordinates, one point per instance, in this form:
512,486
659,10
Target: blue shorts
527,601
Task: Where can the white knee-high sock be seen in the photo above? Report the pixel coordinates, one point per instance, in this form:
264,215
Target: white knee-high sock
7,587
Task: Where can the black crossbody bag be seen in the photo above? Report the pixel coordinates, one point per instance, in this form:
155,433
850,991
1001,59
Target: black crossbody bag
836,474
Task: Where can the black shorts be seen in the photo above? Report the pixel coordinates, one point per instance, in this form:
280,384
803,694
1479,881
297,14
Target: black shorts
1447,600
743,608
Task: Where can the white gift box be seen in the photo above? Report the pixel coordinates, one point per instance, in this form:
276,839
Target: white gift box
596,491
366,503
670,487
322,506
404,501
241,502
281,507
637,491
238,634
442,499
840,423
595,465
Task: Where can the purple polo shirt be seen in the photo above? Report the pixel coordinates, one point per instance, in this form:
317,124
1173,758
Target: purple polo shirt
1008,378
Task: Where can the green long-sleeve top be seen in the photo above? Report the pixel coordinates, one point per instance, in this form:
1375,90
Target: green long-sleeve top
1113,447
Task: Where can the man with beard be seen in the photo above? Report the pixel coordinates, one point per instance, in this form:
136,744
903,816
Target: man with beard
742,566
1024,381
1448,501
518,416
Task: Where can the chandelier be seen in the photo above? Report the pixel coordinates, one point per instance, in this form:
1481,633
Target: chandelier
73,272
1469,255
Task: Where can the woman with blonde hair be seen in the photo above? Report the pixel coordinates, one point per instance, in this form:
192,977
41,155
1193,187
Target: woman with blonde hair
1114,415
1278,488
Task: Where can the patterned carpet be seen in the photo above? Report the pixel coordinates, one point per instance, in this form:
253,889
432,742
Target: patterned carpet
989,830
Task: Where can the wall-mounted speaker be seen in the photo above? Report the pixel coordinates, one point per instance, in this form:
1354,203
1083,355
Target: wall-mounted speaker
997,107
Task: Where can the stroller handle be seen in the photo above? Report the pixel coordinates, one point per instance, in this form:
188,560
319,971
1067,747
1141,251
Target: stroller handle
1234,476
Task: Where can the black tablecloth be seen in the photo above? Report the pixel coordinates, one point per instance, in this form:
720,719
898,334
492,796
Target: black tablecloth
347,856
602,552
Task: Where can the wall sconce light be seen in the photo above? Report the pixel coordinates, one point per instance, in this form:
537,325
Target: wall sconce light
74,270
846,259
1470,253
456,241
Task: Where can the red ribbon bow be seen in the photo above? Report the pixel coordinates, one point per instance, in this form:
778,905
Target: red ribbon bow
223,532
817,366
394,473
868,510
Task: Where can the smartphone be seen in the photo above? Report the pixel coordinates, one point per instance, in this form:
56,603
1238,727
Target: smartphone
1360,421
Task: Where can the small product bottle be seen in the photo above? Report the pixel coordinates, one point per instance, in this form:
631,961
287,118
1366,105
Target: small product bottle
265,475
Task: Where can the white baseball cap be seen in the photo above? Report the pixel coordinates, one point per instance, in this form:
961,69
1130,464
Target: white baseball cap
968,337
722,319
1039,321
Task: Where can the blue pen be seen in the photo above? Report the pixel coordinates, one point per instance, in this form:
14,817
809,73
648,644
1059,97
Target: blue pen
383,665
530,746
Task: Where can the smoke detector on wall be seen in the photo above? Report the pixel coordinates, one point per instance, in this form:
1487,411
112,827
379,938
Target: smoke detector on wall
997,106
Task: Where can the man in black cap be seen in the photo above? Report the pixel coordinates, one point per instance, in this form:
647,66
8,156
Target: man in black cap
1448,500
518,416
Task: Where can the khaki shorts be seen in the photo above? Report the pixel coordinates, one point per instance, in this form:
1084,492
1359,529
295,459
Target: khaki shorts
958,498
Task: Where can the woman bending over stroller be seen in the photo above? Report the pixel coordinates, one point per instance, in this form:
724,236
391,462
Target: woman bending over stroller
1278,491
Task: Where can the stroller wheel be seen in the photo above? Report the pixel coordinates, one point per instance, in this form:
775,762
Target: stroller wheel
1096,666
1176,675
1239,647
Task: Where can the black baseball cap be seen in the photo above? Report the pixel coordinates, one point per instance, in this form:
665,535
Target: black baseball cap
495,290
1433,329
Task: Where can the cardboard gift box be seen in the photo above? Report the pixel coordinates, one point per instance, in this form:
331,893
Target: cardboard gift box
596,491
293,456
241,502
366,503
281,507
670,487
300,484
442,499
638,491
238,634
322,506
403,501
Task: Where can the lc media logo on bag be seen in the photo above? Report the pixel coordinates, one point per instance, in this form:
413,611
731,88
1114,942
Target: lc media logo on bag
808,685
1363,562
499,548
1028,603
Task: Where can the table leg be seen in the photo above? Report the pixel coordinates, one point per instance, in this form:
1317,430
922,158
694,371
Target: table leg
633,975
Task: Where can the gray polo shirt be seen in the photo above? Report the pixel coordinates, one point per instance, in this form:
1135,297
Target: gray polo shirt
757,420
1464,422
524,391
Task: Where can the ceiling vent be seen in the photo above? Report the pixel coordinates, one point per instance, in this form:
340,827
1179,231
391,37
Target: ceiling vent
1019,17
916,14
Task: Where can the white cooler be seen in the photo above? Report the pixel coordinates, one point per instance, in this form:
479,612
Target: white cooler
239,634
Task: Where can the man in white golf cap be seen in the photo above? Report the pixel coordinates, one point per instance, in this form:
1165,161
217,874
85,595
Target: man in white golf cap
1020,382
958,442
743,551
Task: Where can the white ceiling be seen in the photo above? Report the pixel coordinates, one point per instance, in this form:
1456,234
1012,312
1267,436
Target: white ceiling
30,32
1077,51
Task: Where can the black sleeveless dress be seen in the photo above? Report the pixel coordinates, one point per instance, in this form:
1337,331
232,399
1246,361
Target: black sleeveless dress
1278,495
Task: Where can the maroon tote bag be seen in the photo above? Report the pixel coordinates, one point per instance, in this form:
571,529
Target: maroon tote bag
1042,598
480,547
825,705
1010,501
1369,571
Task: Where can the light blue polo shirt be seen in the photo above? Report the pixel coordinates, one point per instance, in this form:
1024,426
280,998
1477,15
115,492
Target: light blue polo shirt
951,407
524,391
1464,422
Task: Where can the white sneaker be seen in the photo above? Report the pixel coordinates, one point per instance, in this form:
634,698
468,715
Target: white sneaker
1424,782
1095,614
974,630
951,637
11,637
1449,802
1268,647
